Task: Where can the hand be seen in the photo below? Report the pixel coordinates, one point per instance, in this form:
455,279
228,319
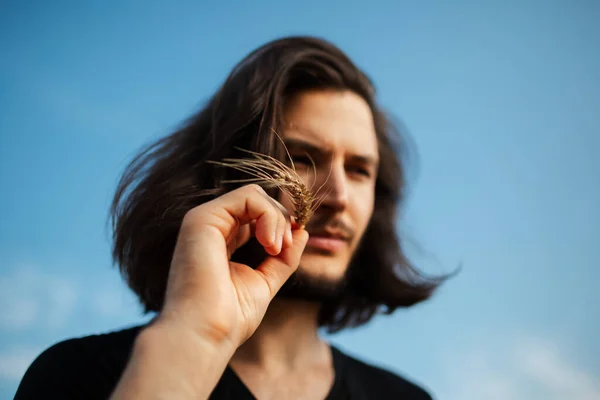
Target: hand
220,300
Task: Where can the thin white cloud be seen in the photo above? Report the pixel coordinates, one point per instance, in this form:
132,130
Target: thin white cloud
542,362
20,313
14,364
30,297
522,368
113,302
34,300
63,297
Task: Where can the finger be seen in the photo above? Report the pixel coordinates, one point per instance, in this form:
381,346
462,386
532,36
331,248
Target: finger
247,234
277,270
287,239
280,229
234,235
286,231
242,236
206,229
280,206
244,204
267,231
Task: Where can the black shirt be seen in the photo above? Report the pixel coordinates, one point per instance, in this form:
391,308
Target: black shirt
90,368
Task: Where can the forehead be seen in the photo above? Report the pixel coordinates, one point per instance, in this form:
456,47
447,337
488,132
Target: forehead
333,120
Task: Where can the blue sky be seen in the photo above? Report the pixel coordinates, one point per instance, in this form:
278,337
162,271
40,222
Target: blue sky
501,99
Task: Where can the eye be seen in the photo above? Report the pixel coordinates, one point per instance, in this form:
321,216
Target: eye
301,160
360,171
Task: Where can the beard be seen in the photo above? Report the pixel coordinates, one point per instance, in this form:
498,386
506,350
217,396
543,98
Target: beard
301,285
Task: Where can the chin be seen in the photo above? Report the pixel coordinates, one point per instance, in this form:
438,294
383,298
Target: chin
319,278
321,275
319,266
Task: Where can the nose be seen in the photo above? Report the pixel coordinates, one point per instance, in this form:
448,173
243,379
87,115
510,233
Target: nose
334,190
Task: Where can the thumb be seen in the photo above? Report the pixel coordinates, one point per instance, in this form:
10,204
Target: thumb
277,269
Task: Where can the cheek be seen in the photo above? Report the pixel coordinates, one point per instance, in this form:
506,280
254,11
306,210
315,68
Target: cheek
362,209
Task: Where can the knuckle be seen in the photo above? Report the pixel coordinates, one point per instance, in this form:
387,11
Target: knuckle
195,216
253,187
190,215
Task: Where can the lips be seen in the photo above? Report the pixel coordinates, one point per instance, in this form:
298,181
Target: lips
331,241
330,244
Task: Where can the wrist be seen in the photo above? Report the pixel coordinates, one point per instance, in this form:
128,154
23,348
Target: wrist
172,362
198,337
168,335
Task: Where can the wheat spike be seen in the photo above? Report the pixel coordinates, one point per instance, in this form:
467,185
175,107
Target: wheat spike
269,173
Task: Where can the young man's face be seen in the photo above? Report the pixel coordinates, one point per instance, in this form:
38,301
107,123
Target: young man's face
336,130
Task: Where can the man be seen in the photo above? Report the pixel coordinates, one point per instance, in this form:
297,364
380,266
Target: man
240,289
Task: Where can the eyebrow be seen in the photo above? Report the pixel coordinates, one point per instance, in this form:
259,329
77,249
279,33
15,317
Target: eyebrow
321,151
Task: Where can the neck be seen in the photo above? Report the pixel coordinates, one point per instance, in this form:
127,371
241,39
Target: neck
287,338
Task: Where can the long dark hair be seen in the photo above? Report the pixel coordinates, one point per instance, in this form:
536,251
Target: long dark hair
165,179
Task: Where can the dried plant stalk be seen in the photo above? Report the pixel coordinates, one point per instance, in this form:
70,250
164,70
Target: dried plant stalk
268,172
